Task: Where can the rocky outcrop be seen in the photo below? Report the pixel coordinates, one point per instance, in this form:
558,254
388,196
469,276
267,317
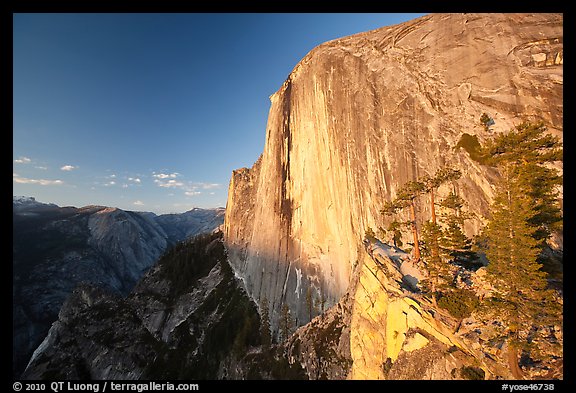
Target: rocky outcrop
390,323
182,320
322,346
55,249
360,116
384,328
188,318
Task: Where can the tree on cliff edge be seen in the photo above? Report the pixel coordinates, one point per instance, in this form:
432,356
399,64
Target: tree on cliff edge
454,243
405,199
529,153
438,269
521,300
523,213
431,184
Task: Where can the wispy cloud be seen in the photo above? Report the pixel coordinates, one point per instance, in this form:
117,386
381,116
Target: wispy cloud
209,186
138,203
193,188
135,179
165,175
168,180
68,168
112,176
23,160
110,183
42,182
169,183
44,168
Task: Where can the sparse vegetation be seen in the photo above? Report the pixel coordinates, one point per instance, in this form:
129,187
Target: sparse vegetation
442,240
524,212
286,323
229,336
472,146
370,235
190,260
486,121
387,366
468,373
265,332
460,303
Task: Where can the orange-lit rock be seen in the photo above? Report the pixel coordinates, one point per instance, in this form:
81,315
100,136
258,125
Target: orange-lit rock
360,116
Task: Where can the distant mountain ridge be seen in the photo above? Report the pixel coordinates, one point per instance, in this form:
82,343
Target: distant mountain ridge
20,203
56,248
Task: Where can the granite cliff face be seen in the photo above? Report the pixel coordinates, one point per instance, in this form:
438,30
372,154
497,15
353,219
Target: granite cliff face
360,116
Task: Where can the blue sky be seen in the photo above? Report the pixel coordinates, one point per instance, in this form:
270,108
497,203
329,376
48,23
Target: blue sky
152,112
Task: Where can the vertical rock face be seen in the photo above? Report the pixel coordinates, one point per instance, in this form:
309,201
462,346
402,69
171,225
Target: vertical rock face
360,116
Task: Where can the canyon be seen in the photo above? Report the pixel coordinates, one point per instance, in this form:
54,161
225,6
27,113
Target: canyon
57,248
356,119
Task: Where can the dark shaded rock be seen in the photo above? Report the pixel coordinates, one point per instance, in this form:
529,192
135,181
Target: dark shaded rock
182,321
56,248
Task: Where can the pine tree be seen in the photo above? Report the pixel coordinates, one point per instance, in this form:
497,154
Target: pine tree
454,244
395,227
528,149
520,299
431,184
541,183
286,323
438,270
523,213
405,199
265,324
432,232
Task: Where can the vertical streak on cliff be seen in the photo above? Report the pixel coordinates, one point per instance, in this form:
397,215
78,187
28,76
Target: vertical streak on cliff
360,116
285,198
